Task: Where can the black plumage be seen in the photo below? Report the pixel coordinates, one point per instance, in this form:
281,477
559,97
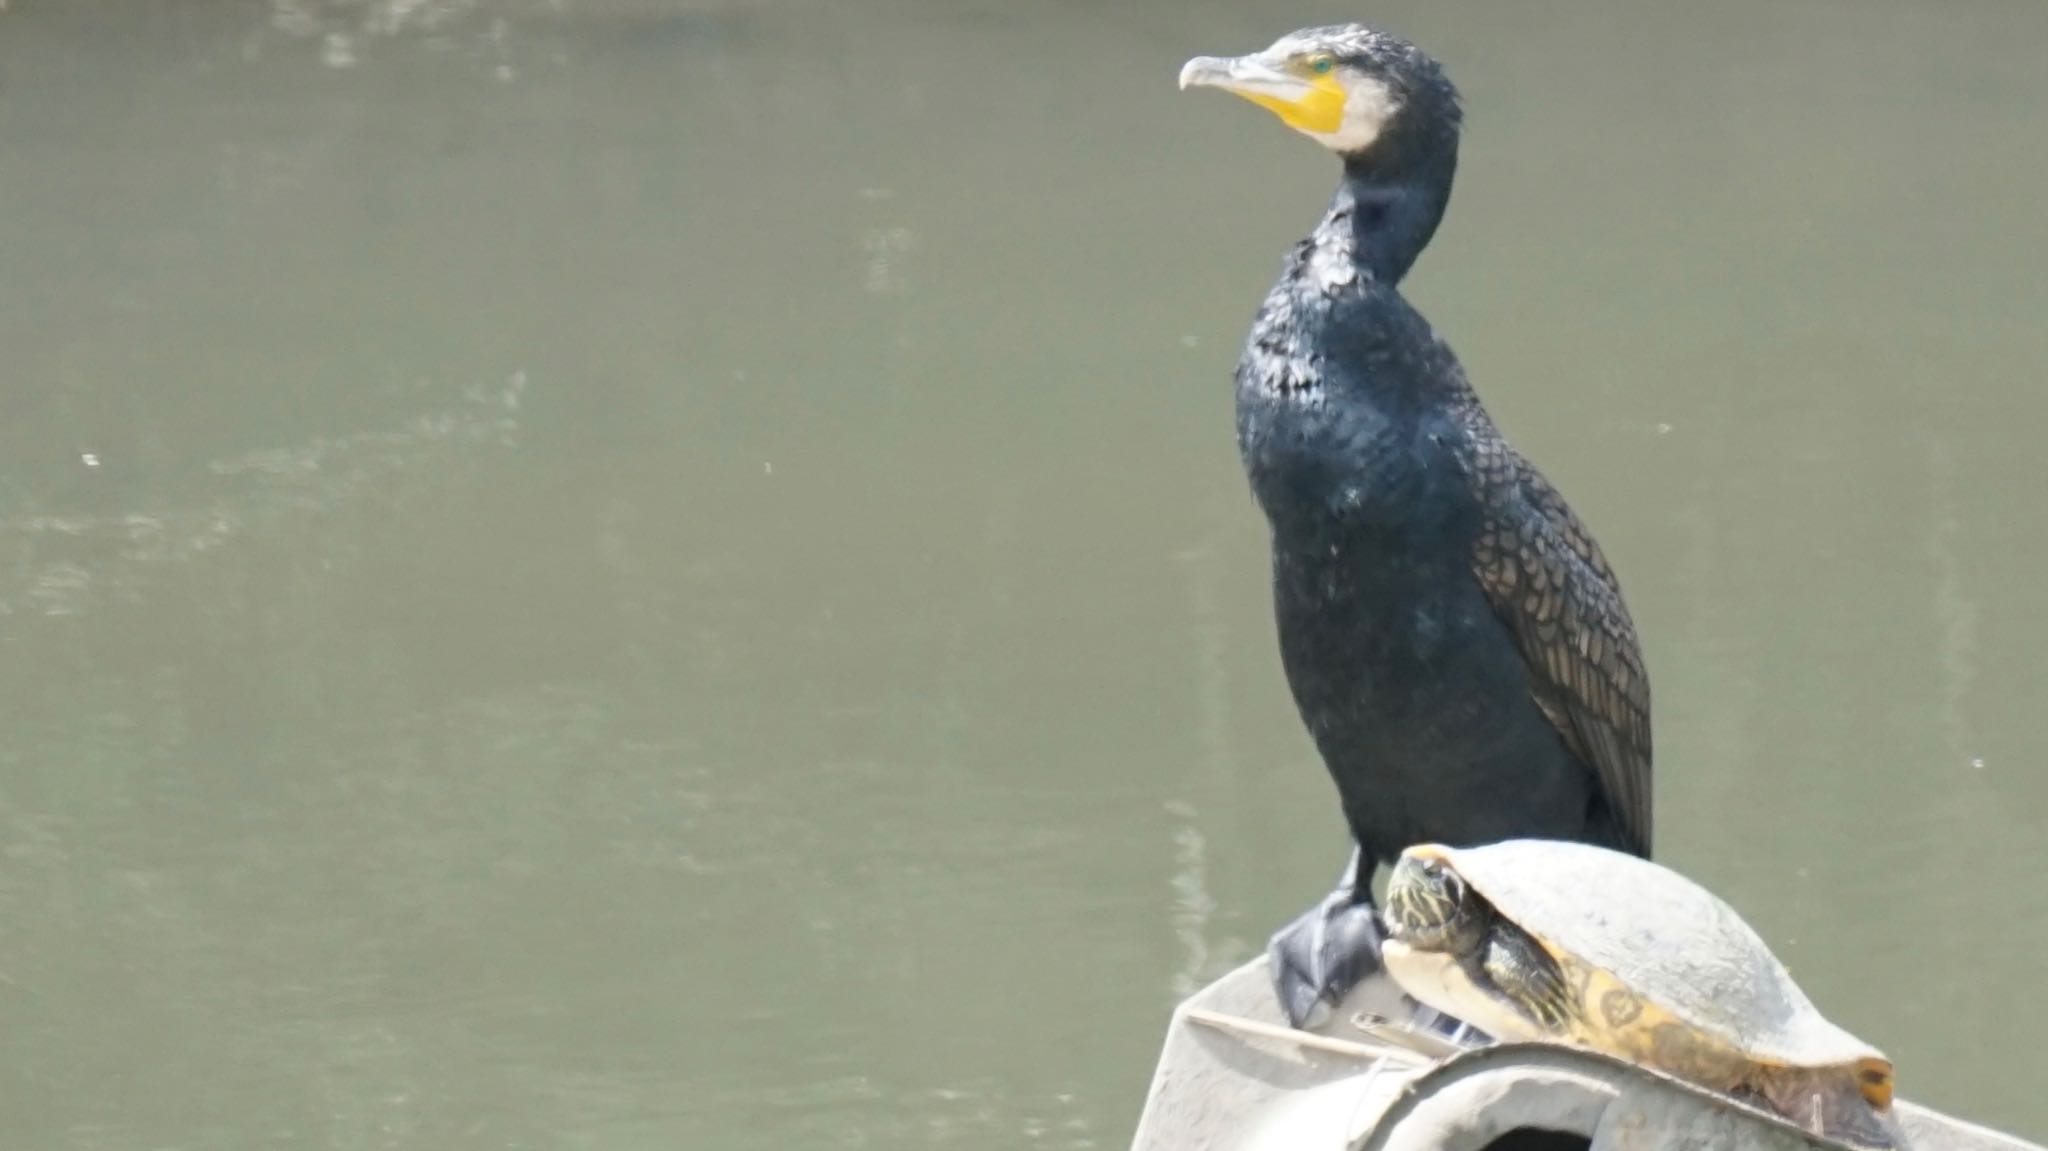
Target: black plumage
1454,640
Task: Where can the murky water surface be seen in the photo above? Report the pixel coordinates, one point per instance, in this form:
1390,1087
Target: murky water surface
667,573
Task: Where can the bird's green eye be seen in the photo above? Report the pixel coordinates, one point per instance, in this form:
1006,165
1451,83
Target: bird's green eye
1322,64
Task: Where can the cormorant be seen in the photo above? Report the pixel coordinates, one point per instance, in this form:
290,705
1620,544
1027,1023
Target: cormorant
1452,636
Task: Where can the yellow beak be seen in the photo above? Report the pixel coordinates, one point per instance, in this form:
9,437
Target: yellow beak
1310,103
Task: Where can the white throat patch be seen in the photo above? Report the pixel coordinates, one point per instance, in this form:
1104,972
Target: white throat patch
1369,106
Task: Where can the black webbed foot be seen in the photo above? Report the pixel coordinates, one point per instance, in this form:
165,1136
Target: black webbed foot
1317,959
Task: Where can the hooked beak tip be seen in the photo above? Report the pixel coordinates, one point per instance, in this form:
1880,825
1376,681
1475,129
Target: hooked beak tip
1203,71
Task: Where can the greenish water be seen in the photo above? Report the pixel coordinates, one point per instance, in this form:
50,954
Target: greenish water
622,574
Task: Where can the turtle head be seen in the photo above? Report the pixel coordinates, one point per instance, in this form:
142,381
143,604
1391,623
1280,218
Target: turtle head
1430,907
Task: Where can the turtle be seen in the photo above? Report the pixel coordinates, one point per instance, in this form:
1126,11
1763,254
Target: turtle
1556,941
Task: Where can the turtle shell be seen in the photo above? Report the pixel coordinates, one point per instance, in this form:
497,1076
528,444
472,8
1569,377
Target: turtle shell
1661,936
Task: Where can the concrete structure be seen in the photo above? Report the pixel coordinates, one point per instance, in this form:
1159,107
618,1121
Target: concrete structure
1383,1076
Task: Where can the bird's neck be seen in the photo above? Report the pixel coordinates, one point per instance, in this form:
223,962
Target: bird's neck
1385,217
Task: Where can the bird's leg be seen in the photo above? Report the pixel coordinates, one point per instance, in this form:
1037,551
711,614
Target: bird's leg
1357,873
1317,959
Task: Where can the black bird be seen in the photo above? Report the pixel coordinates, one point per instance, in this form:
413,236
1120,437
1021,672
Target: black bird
1453,638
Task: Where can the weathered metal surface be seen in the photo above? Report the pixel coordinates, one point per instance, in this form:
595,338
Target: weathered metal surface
1233,1077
